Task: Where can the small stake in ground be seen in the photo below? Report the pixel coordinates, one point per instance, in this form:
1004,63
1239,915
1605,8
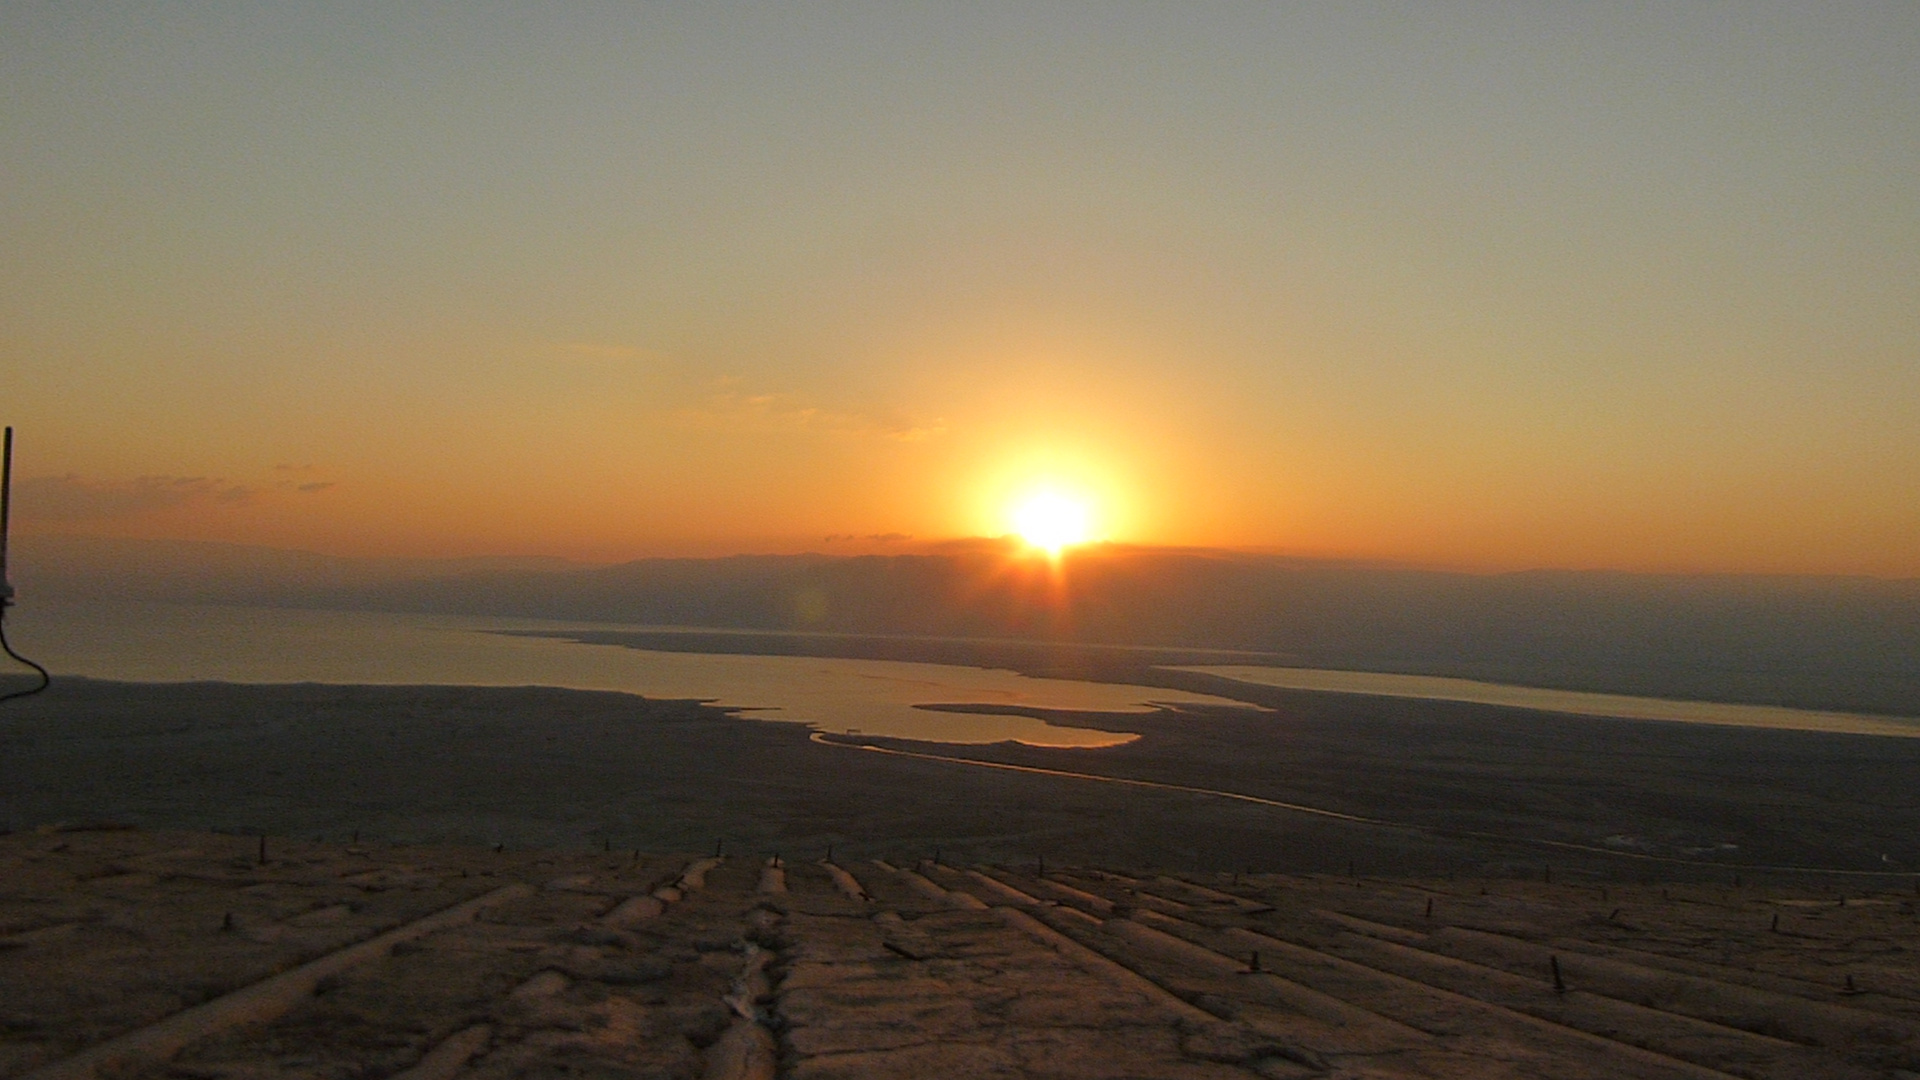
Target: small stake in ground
1559,985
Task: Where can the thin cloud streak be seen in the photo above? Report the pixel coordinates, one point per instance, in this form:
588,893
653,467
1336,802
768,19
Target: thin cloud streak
74,498
732,410
600,350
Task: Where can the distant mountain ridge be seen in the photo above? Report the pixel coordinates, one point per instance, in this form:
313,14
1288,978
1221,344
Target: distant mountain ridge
200,570
1813,642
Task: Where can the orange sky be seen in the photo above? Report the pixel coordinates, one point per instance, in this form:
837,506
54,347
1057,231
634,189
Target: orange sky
1591,287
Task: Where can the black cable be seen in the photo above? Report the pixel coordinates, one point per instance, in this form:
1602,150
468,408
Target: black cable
46,680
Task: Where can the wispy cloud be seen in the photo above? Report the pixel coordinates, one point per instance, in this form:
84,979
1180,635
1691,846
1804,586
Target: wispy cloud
304,487
729,406
74,498
601,350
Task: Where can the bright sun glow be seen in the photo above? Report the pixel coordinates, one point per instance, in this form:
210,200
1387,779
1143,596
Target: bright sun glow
1050,521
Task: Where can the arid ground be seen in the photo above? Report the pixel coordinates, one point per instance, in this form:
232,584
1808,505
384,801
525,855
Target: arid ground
214,882
1478,788
145,955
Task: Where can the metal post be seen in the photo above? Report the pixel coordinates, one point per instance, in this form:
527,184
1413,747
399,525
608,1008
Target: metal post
6,587
6,507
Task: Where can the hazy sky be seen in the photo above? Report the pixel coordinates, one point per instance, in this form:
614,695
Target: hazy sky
1476,285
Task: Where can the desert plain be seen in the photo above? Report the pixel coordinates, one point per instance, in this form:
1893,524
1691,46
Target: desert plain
217,881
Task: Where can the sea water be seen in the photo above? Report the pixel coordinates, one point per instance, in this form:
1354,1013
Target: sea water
162,642
166,642
1578,703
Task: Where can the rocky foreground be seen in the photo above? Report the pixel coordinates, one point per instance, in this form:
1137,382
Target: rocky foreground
128,955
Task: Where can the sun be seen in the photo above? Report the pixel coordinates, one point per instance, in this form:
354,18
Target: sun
1050,521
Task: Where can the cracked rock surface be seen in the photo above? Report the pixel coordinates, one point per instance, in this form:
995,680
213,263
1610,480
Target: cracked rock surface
129,955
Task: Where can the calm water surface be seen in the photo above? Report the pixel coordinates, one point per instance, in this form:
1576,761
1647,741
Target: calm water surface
149,642
188,643
1564,701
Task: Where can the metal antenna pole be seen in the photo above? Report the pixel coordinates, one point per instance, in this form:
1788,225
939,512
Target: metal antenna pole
6,505
6,587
